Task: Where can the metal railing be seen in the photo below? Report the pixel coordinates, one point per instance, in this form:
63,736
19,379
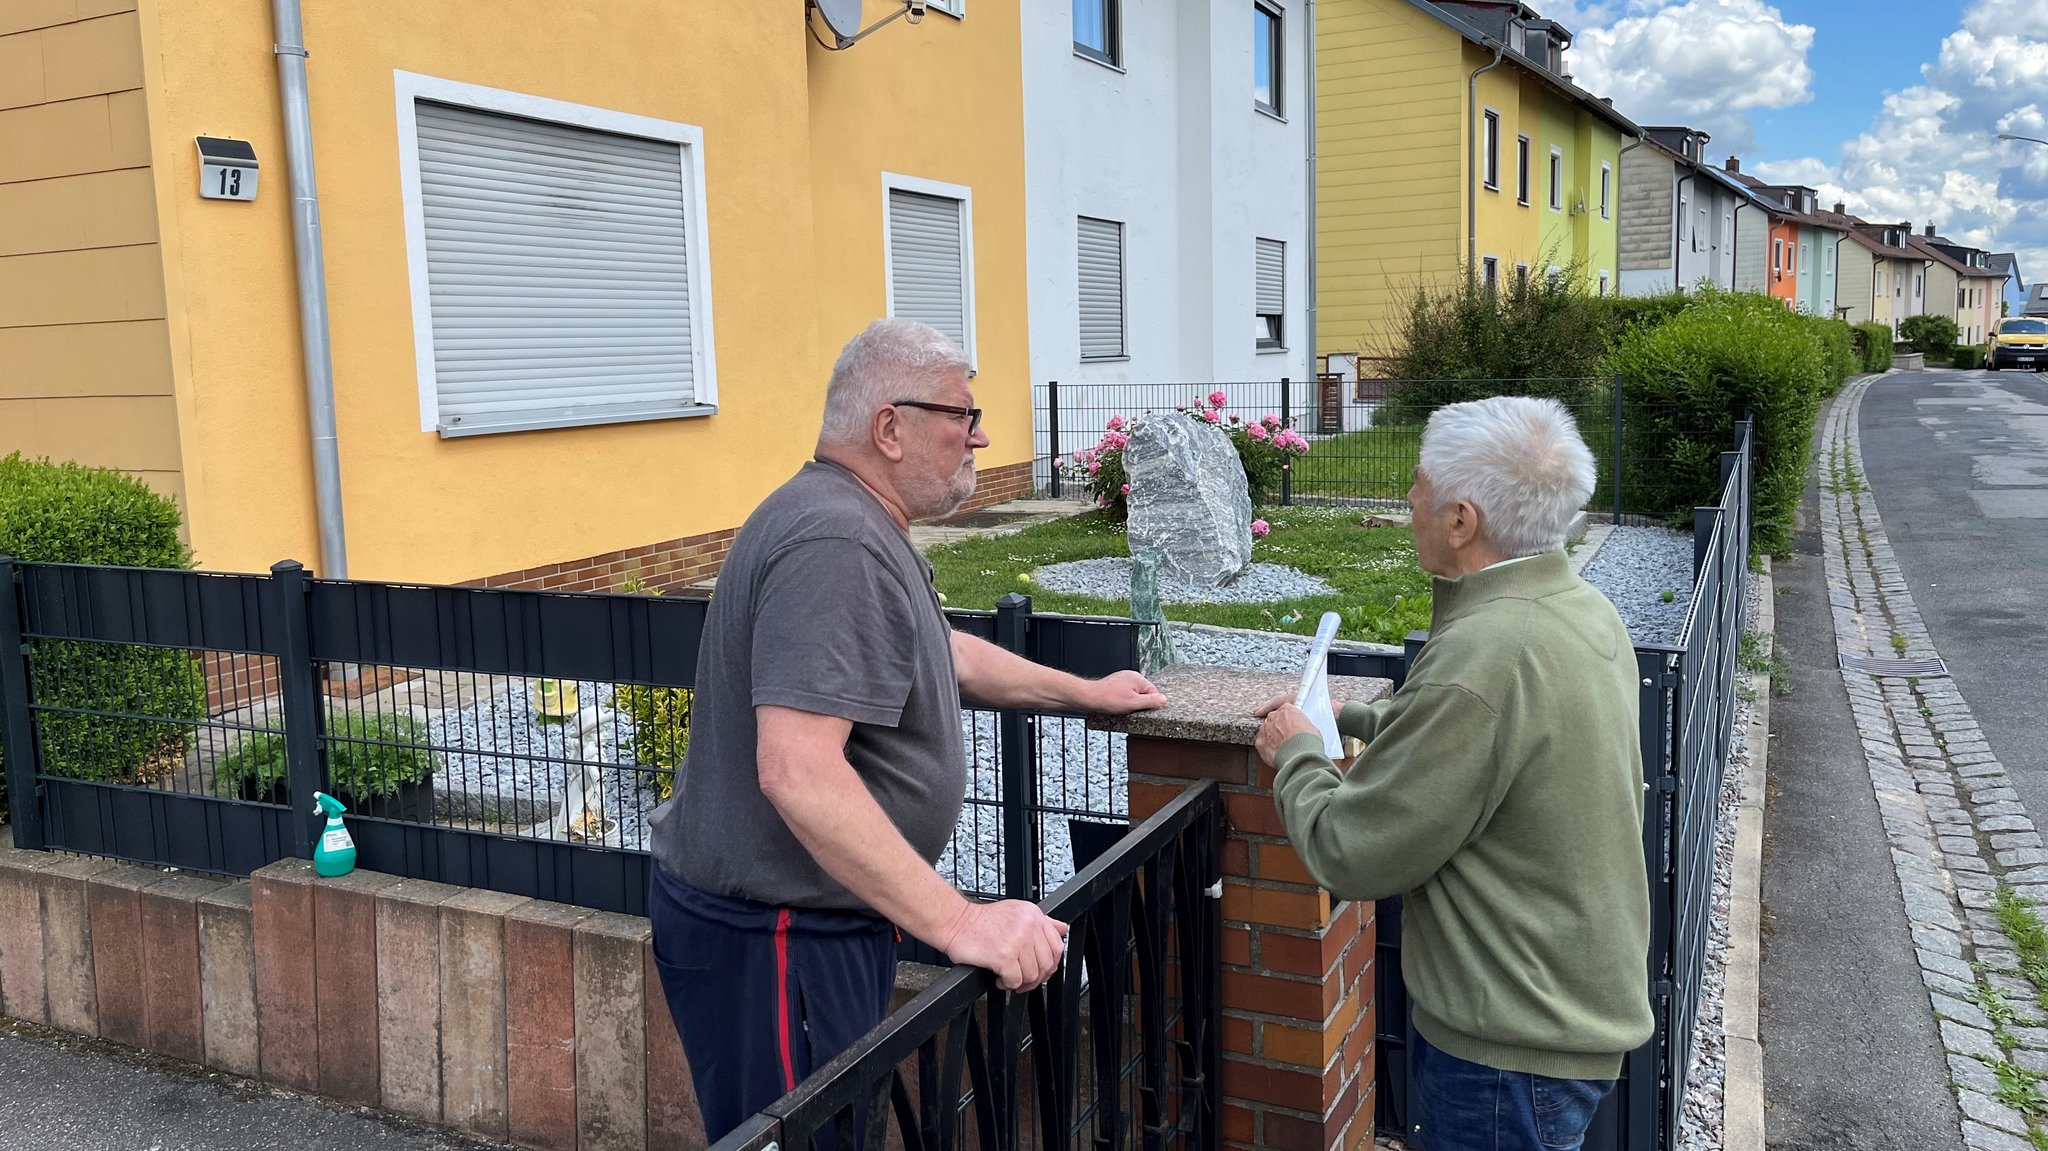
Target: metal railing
1365,435
513,740
1120,1049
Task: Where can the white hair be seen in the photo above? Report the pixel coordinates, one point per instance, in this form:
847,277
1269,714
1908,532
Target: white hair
1519,460
891,359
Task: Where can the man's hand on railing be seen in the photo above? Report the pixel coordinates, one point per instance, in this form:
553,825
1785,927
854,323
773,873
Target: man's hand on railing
1014,939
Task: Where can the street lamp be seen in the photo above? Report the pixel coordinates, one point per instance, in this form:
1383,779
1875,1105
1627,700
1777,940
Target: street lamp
2028,139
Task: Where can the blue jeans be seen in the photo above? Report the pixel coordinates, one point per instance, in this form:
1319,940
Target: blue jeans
1467,1107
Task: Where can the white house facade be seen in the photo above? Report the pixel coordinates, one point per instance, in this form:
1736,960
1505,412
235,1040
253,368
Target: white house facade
1167,230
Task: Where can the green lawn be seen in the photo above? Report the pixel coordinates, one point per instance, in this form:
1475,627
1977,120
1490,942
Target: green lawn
1381,594
1377,463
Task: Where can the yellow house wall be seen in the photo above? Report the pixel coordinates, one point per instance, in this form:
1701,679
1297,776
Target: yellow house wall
1390,166
1507,230
85,371
419,507
872,110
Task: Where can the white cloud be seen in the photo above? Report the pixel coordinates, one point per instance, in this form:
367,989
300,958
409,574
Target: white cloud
1704,63
1932,153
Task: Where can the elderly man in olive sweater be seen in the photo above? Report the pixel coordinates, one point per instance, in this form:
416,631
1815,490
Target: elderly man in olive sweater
1500,793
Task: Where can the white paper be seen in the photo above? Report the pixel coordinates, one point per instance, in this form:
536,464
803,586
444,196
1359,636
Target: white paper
1313,698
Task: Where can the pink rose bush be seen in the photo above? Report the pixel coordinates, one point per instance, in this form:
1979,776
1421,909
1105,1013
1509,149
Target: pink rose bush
1264,447
1260,529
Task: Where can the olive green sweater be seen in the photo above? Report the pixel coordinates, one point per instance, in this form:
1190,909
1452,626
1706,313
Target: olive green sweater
1501,793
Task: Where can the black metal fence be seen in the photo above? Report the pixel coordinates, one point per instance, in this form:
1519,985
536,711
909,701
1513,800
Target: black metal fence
1121,1049
1364,435
512,740
1687,717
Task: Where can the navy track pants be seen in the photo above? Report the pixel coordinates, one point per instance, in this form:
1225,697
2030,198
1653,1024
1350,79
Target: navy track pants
763,995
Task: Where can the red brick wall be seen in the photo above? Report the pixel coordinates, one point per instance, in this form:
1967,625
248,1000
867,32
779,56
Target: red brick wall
1000,485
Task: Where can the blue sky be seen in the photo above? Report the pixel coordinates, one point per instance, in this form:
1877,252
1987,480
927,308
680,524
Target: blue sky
1893,109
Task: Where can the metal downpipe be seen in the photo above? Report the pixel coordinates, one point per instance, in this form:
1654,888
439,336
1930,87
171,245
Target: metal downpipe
310,257
1308,101
1473,160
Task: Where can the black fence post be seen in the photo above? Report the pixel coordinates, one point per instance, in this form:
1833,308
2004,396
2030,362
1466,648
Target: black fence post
1020,765
1615,479
17,735
299,690
1411,646
1052,427
1703,522
1286,421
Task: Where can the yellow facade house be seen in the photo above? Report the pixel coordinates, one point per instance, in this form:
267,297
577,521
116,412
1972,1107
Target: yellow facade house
587,264
1448,137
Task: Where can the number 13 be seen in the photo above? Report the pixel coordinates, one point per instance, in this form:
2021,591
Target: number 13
230,181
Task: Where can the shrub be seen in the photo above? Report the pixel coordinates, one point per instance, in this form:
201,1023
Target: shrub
1874,344
1728,355
369,757
661,721
1626,313
1838,341
1968,356
1548,336
1263,447
1934,335
127,711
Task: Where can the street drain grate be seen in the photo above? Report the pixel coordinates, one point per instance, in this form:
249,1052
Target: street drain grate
1929,668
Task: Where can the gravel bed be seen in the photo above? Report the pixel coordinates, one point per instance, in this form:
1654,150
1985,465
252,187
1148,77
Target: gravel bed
1636,567
1111,579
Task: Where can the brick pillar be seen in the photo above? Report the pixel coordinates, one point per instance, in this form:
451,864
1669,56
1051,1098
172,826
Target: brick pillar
1298,1018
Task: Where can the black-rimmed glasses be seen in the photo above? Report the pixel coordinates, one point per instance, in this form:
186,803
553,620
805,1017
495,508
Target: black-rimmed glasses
973,414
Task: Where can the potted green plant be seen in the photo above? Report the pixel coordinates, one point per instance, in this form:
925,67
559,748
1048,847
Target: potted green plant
379,765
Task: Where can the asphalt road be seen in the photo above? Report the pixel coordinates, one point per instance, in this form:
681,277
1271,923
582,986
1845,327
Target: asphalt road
1851,1057
61,1093
1959,463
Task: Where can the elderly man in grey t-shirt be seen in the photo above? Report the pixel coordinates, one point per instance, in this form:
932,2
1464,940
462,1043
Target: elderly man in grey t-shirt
826,768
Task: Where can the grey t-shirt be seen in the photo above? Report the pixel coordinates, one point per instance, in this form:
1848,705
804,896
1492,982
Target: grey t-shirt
823,606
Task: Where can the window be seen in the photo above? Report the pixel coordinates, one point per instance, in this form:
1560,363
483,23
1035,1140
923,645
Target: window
1919,284
1684,214
1096,31
1101,246
1556,178
1522,170
1522,277
1606,190
1489,277
1805,250
1778,256
1827,260
1269,293
1269,49
951,7
931,255
1700,228
1489,145
557,261
1603,281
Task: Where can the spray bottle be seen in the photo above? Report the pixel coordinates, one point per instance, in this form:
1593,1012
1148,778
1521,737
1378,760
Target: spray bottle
334,853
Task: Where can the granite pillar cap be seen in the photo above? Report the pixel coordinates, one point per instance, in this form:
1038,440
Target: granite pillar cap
1214,704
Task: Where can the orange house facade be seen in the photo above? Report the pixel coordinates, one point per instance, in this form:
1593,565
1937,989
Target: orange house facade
1781,276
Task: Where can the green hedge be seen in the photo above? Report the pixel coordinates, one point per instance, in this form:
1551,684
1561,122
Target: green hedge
1874,345
1934,335
130,709
1968,356
1548,337
1727,355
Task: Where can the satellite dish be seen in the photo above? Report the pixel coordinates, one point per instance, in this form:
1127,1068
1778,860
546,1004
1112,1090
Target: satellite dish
842,16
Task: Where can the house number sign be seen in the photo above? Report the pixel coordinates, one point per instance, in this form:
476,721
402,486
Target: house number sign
227,169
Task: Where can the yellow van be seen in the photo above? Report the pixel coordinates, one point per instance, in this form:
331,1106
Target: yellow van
2018,342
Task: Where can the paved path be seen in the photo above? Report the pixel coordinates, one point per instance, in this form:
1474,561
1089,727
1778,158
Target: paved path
1958,840
61,1093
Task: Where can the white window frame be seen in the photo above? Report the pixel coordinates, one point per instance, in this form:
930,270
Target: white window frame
1523,169
894,181
412,87
1606,190
957,9
1521,275
1489,148
1603,281
1489,273
1556,178
1278,108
